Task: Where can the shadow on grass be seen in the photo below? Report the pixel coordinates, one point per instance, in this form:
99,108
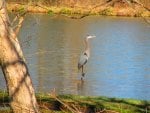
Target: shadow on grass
140,106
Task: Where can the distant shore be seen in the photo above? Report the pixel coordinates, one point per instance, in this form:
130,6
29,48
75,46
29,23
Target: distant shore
116,10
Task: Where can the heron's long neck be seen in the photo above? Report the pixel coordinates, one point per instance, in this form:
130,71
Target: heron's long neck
87,47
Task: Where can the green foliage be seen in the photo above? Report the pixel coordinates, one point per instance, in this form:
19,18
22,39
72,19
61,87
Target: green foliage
21,10
65,10
50,12
107,11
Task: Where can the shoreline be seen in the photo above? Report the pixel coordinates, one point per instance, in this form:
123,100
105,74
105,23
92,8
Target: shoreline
123,10
49,103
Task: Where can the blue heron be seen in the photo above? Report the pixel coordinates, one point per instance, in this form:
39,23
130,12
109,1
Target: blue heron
85,55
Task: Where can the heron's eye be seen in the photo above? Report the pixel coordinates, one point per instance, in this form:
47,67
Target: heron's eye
85,54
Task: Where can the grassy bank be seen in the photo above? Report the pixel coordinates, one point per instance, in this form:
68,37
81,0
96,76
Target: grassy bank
82,104
118,9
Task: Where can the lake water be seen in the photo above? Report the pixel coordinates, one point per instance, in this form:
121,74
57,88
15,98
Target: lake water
119,65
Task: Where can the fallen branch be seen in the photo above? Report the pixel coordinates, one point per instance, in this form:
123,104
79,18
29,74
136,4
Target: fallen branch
147,21
53,95
139,3
105,3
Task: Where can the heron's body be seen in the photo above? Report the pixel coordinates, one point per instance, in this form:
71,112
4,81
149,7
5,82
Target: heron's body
83,60
85,56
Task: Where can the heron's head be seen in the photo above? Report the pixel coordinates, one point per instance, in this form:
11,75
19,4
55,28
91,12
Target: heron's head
90,36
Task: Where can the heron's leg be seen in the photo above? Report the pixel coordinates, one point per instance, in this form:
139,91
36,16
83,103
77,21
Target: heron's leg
81,79
83,72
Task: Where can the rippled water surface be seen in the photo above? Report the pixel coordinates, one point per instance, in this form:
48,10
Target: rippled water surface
119,65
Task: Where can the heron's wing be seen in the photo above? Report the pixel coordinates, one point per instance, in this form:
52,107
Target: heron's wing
82,61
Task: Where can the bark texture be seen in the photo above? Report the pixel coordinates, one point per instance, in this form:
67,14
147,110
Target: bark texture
19,84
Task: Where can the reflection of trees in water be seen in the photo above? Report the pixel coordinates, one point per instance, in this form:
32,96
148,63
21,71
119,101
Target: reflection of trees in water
57,67
80,87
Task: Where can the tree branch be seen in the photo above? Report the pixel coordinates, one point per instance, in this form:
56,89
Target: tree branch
21,19
142,5
147,21
139,3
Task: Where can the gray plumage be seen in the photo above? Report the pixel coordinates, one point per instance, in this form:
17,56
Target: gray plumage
86,54
83,60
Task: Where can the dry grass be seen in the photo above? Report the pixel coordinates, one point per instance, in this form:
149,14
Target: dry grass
118,9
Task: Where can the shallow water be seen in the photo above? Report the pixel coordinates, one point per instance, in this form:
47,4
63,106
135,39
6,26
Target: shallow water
119,65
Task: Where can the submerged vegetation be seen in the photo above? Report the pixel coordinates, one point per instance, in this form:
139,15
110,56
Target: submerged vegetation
81,104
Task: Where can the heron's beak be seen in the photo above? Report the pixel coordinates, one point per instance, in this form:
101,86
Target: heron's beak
93,36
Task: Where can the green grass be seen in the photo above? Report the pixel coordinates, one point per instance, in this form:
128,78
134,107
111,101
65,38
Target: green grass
58,105
101,103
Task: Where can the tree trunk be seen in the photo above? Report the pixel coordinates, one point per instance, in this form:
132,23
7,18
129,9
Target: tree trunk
20,88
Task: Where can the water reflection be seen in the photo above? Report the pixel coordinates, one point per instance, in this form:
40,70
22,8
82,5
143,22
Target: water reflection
119,65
